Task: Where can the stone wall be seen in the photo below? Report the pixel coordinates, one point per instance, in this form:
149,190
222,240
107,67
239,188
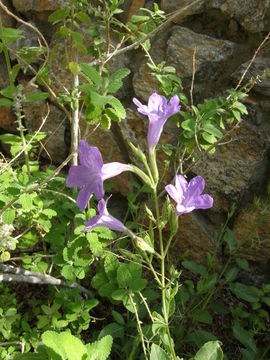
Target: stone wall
226,35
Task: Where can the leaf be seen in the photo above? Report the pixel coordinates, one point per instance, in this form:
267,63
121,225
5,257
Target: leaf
115,80
113,329
230,240
210,351
58,15
74,68
83,17
36,96
26,201
200,337
248,355
73,347
194,267
8,35
91,73
244,292
124,277
242,263
54,346
231,275
118,107
100,350
211,139
118,317
244,337
157,353
111,265
6,102
202,316
206,284
8,216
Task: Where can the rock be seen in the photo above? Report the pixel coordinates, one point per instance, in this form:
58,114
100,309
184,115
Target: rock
251,229
173,5
32,5
7,20
194,239
55,147
211,58
260,67
254,15
30,39
4,78
7,120
235,167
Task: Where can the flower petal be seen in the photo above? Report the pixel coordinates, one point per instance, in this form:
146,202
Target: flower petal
143,109
173,106
155,129
113,169
204,202
90,156
84,196
157,104
171,190
181,209
78,176
181,185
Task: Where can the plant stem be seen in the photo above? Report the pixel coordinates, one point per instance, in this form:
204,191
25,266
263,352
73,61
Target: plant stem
75,117
163,284
139,325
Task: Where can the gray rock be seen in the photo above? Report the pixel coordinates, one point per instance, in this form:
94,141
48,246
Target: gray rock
235,167
261,68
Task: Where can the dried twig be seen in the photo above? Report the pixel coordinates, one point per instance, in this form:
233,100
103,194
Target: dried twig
11,273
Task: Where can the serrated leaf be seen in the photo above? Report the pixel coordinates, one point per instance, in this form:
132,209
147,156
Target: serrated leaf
26,201
73,347
58,15
111,265
100,350
92,73
8,216
74,68
83,17
115,80
117,106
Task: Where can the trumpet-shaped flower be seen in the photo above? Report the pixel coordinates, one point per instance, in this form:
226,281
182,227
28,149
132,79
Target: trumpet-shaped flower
158,111
104,219
91,173
188,196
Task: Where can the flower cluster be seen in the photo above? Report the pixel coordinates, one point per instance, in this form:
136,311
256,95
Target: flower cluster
91,172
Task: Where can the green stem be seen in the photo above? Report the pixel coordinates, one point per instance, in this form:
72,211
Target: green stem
139,325
163,283
153,164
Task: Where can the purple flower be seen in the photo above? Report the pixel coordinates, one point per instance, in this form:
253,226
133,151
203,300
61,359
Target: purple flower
158,111
104,219
188,196
91,173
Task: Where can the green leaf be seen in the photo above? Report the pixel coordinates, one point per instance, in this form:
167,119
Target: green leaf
210,351
266,300
230,240
248,354
113,329
26,201
5,256
202,316
91,73
118,317
157,353
50,213
100,350
111,265
124,277
242,263
200,337
189,125
206,284
6,102
27,240
74,68
8,35
212,130
83,17
194,267
115,80
117,106
8,216
244,337
211,139
58,15
244,292
36,96
231,275
73,347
